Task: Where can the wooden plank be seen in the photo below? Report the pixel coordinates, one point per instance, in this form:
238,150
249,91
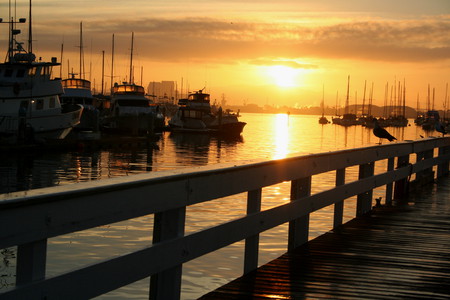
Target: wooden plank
396,252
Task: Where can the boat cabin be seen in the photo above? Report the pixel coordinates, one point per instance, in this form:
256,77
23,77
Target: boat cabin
128,89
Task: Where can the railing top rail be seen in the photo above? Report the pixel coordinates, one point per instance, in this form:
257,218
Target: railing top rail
349,157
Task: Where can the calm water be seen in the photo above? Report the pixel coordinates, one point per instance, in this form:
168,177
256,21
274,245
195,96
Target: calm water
265,137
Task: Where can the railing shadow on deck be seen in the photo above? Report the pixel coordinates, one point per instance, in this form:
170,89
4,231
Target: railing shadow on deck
29,218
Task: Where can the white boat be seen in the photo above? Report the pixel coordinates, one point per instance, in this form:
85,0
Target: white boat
195,115
132,112
78,91
30,108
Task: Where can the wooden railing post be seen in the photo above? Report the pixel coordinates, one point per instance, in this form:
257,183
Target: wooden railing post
299,228
443,167
339,206
252,242
364,200
401,186
389,186
167,225
31,259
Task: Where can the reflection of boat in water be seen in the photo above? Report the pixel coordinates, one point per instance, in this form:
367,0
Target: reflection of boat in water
195,115
30,107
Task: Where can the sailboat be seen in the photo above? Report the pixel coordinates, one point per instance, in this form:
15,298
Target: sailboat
323,120
348,119
132,112
30,107
77,90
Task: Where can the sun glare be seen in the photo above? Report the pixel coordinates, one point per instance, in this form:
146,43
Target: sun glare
284,76
282,136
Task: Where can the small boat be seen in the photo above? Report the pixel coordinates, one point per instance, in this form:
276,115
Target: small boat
195,114
30,107
323,120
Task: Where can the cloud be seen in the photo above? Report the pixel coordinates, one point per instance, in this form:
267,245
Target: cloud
282,62
228,41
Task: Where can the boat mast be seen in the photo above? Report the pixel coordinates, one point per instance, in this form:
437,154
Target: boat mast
112,63
347,99
103,70
364,98
131,58
30,34
81,51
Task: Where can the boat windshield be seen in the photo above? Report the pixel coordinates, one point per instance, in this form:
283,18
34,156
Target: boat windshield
76,83
128,89
199,97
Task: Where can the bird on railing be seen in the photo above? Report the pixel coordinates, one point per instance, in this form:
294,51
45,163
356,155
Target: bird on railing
380,132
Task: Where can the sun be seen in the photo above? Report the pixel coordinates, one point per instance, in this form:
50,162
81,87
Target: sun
284,76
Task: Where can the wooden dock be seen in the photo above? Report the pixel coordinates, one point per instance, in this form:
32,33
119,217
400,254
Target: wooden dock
394,252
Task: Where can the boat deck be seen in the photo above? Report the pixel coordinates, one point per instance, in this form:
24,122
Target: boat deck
396,252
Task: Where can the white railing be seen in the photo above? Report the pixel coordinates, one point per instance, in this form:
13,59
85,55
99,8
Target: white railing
28,219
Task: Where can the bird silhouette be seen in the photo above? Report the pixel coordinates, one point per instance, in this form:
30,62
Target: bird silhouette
381,132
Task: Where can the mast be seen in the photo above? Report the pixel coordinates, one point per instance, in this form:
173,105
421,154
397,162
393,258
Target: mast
30,35
131,58
103,69
112,63
347,99
404,99
364,98
61,60
81,51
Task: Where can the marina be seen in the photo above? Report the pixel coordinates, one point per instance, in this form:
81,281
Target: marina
266,137
36,216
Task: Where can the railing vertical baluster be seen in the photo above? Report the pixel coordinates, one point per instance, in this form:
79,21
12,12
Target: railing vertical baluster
299,228
443,168
339,206
400,188
31,259
389,186
168,224
252,243
364,200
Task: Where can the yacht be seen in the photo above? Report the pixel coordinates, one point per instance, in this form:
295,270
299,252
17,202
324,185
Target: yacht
195,114
132,112
78,91
30,107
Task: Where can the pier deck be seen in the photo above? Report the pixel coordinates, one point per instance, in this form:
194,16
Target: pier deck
394,252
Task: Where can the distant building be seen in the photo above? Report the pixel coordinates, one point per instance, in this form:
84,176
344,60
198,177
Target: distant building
163,91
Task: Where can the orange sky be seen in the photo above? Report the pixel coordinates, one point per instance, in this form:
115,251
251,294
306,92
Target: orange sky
264,52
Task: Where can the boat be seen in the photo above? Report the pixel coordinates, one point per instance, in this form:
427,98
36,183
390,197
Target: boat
30,107
348,118
195,114
323,120
132,112
78,91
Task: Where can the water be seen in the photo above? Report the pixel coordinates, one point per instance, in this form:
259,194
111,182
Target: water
265,137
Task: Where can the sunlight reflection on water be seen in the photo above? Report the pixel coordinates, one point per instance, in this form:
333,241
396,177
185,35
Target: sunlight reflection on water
264,137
